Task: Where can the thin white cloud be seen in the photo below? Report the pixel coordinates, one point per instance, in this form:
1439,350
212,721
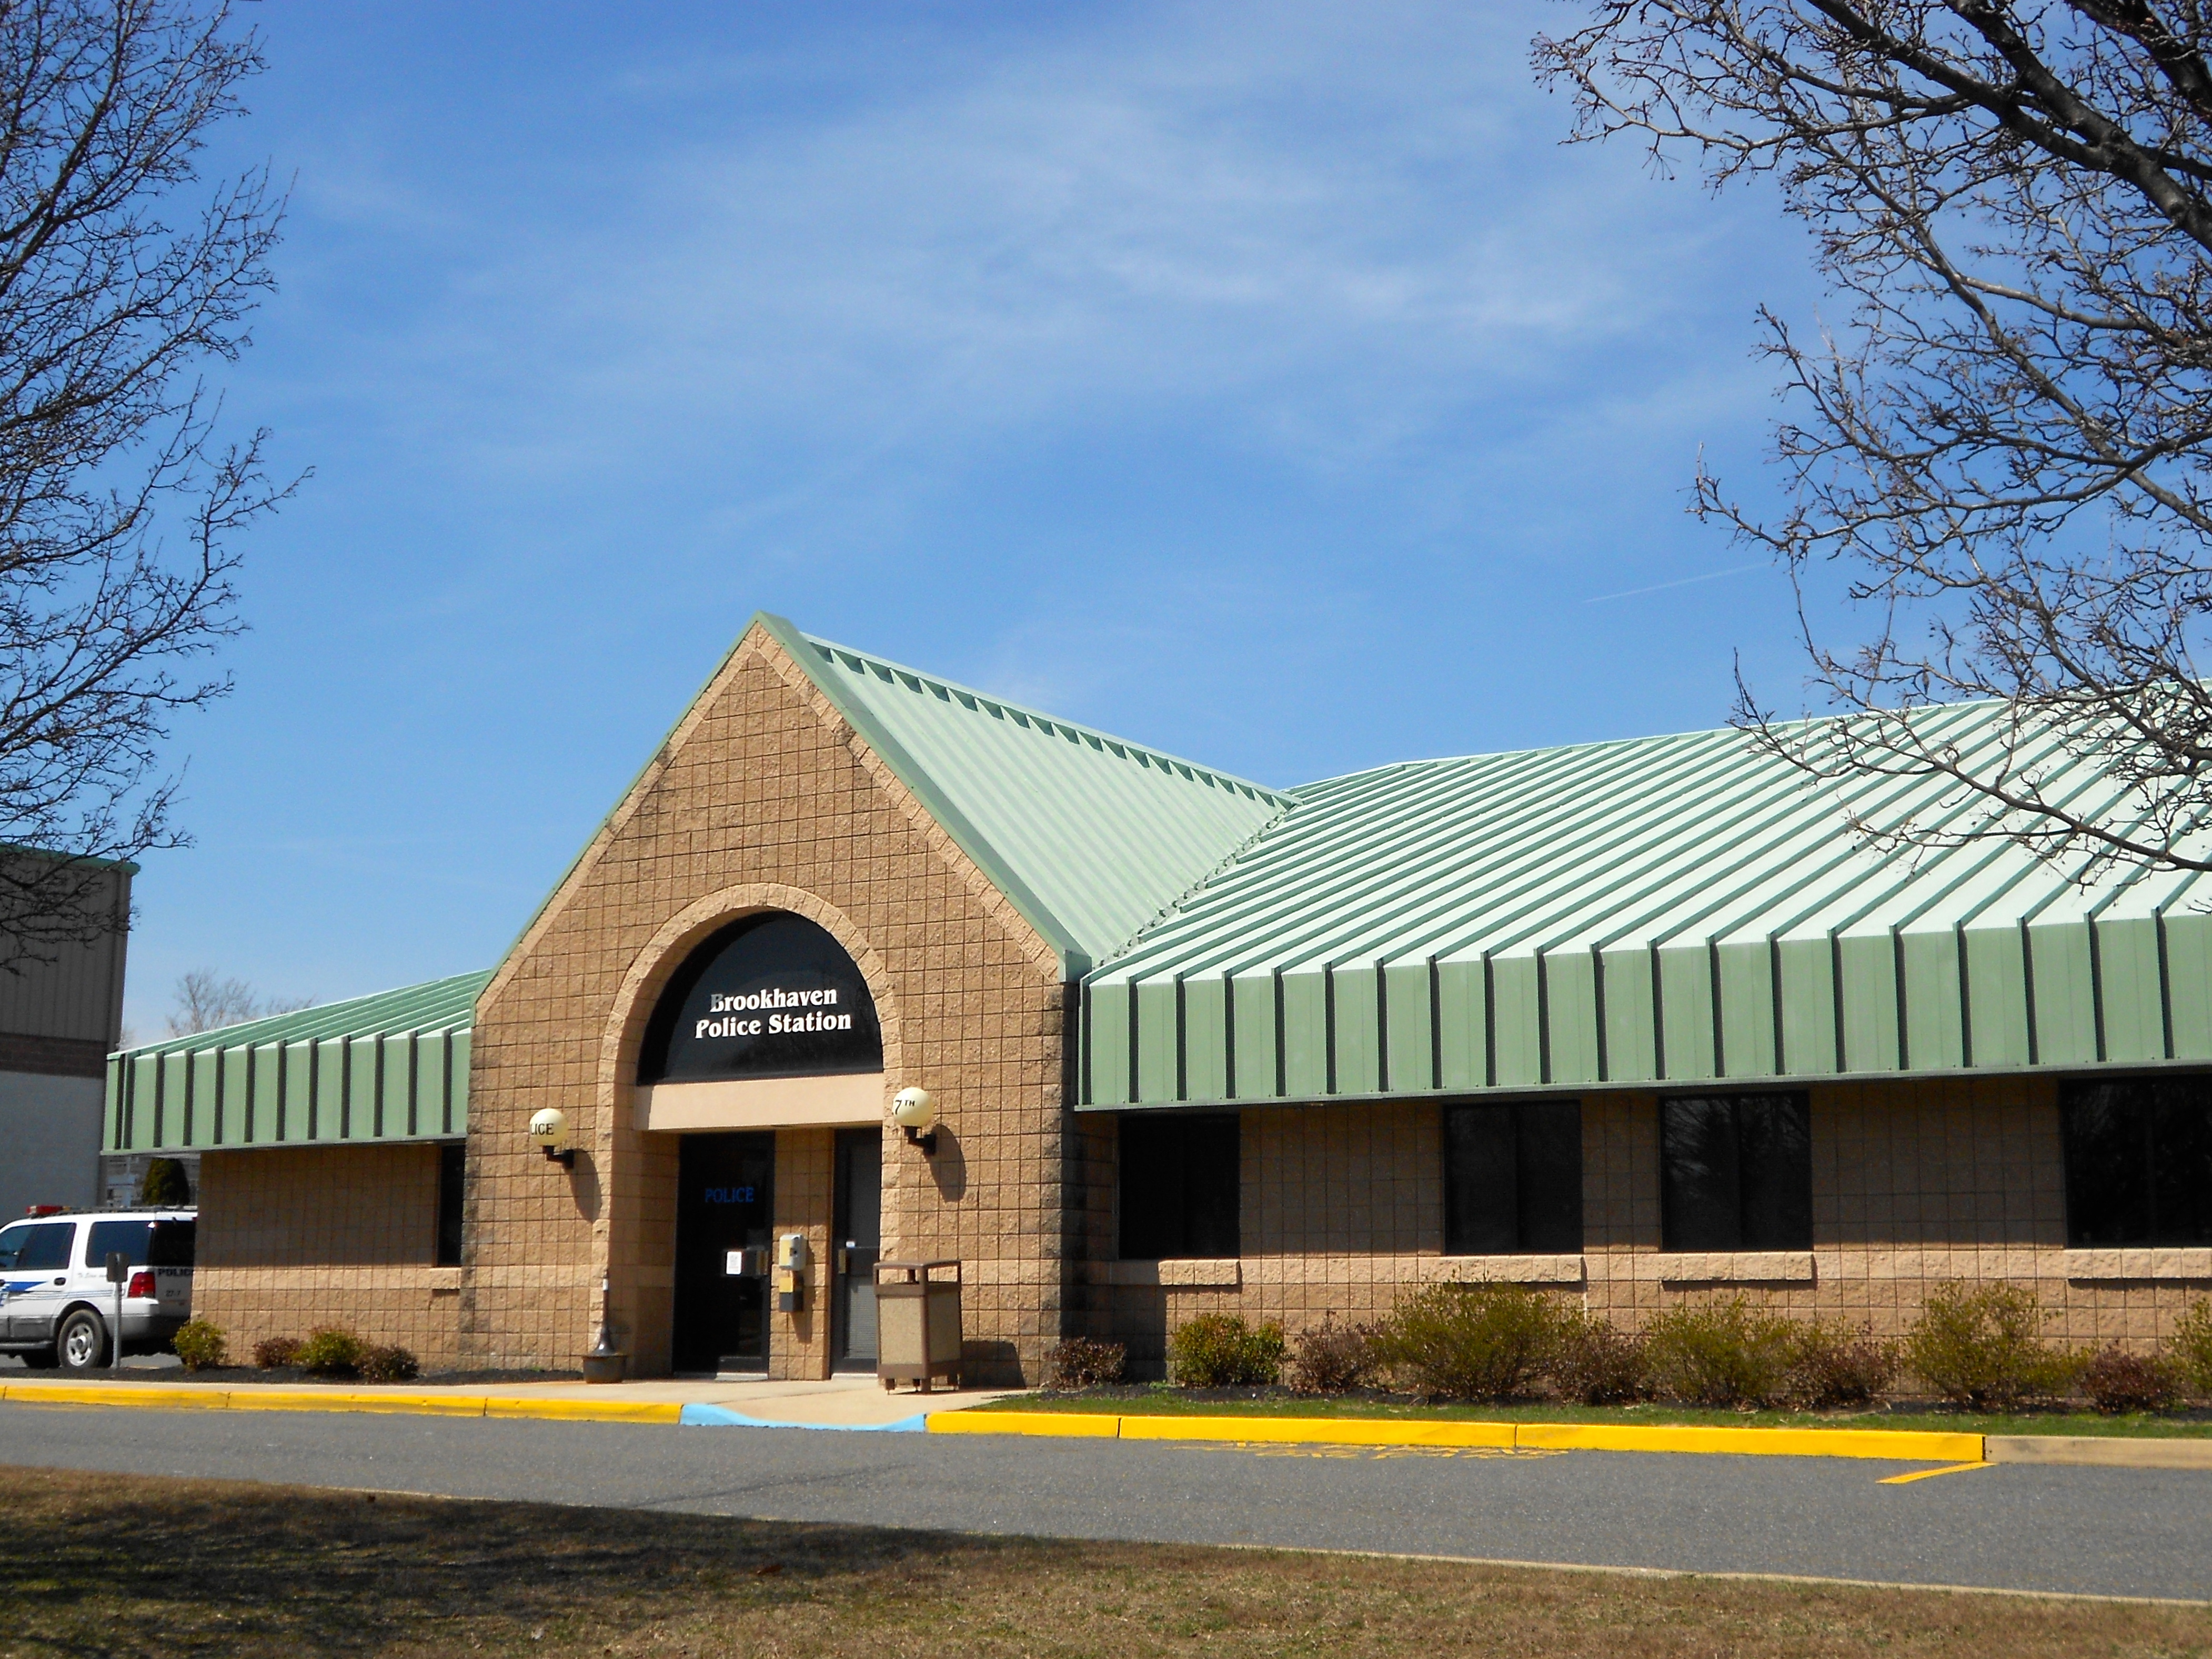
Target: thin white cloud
1329,231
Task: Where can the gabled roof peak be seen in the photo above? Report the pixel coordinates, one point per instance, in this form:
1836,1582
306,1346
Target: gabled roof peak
990,703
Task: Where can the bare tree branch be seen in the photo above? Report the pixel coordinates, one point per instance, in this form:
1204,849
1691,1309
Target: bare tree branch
206,1001
2007,444
120,273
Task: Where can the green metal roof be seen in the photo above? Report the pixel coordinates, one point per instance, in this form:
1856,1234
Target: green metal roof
1668,909
1091,836
390,1066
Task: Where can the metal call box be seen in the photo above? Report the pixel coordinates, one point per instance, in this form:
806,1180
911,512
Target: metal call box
790,1272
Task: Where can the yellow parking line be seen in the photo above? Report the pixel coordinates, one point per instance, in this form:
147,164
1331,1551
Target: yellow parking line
1929,1474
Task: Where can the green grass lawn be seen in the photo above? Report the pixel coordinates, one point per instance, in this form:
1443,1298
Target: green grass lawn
1159,1400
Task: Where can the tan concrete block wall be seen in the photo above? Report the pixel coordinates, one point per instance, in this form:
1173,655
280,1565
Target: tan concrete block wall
293,1239
764,798
1913,1183
799,1343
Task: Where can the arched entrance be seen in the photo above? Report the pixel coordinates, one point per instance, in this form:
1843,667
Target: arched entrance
768,1024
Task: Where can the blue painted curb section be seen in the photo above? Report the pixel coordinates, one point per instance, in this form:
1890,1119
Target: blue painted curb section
721,1417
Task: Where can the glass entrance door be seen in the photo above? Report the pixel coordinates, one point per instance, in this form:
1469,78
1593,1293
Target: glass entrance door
725,1200
857,1243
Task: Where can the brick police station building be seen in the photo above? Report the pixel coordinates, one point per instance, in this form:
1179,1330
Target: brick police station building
1631,1021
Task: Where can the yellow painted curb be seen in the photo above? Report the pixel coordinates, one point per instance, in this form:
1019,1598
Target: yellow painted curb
1897,1445
1319,1430
588,1410
338,1400
62,1393
1900,1445
1043,1423
315,1399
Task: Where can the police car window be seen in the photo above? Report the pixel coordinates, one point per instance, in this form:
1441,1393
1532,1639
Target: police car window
128,1237
42,1245
173,1244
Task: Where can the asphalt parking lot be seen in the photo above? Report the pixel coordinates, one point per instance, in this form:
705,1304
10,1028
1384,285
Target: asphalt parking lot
2114,1532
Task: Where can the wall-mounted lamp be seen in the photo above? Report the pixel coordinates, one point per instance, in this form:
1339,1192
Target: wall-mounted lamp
549,1129
914,1112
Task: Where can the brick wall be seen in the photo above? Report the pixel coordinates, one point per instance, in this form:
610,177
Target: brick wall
764,798
1913,1183
348,1236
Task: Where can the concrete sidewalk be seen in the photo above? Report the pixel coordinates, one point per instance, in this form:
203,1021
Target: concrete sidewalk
839,1402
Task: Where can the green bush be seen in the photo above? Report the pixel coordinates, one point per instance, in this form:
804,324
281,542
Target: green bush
1596,1362
165,1183
1220,1351
1719,1353
199,1344
1080,1363
2189,1347
1981,1347
274,1353
2116,1381
1470,1342
330,1351
1332,1358
1832,1367
392,1364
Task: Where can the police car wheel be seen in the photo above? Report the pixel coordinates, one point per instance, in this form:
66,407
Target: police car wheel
81,1342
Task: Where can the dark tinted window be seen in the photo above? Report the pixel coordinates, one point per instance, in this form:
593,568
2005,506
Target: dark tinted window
129,1236
1736,1172
174,1244
1513,1178
452,1165
1179,1178
43,1246
2138,1161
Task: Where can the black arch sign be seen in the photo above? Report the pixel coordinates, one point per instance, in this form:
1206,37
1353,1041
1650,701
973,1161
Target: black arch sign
769,995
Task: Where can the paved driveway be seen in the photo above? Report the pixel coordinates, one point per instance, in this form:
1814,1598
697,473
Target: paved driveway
2122,1532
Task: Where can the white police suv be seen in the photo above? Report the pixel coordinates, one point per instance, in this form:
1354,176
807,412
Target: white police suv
58,1305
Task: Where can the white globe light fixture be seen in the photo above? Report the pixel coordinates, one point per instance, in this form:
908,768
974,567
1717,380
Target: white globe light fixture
549,1129
913,1111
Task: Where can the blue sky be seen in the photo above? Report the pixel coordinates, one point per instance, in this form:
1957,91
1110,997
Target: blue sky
1265,383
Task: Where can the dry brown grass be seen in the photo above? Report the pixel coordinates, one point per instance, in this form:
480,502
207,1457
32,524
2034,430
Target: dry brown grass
106,1564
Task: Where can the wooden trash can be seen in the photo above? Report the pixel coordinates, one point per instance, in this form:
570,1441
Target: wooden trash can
917,1323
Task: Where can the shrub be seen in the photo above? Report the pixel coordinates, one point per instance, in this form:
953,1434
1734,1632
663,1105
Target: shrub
1980,1347
393,1364
199,1344
1596,1363
1832,1367
1332,1358
165,1183
2116,1381
1719,1353
274,1353
330,1351
1220,1351
1080,1363
1470,1342
2189,1347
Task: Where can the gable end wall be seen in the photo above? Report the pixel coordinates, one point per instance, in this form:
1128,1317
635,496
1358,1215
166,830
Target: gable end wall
763,797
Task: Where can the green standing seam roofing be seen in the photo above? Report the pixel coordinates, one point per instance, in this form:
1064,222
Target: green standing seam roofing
393,1067
1090,836
1682,909
1675,910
